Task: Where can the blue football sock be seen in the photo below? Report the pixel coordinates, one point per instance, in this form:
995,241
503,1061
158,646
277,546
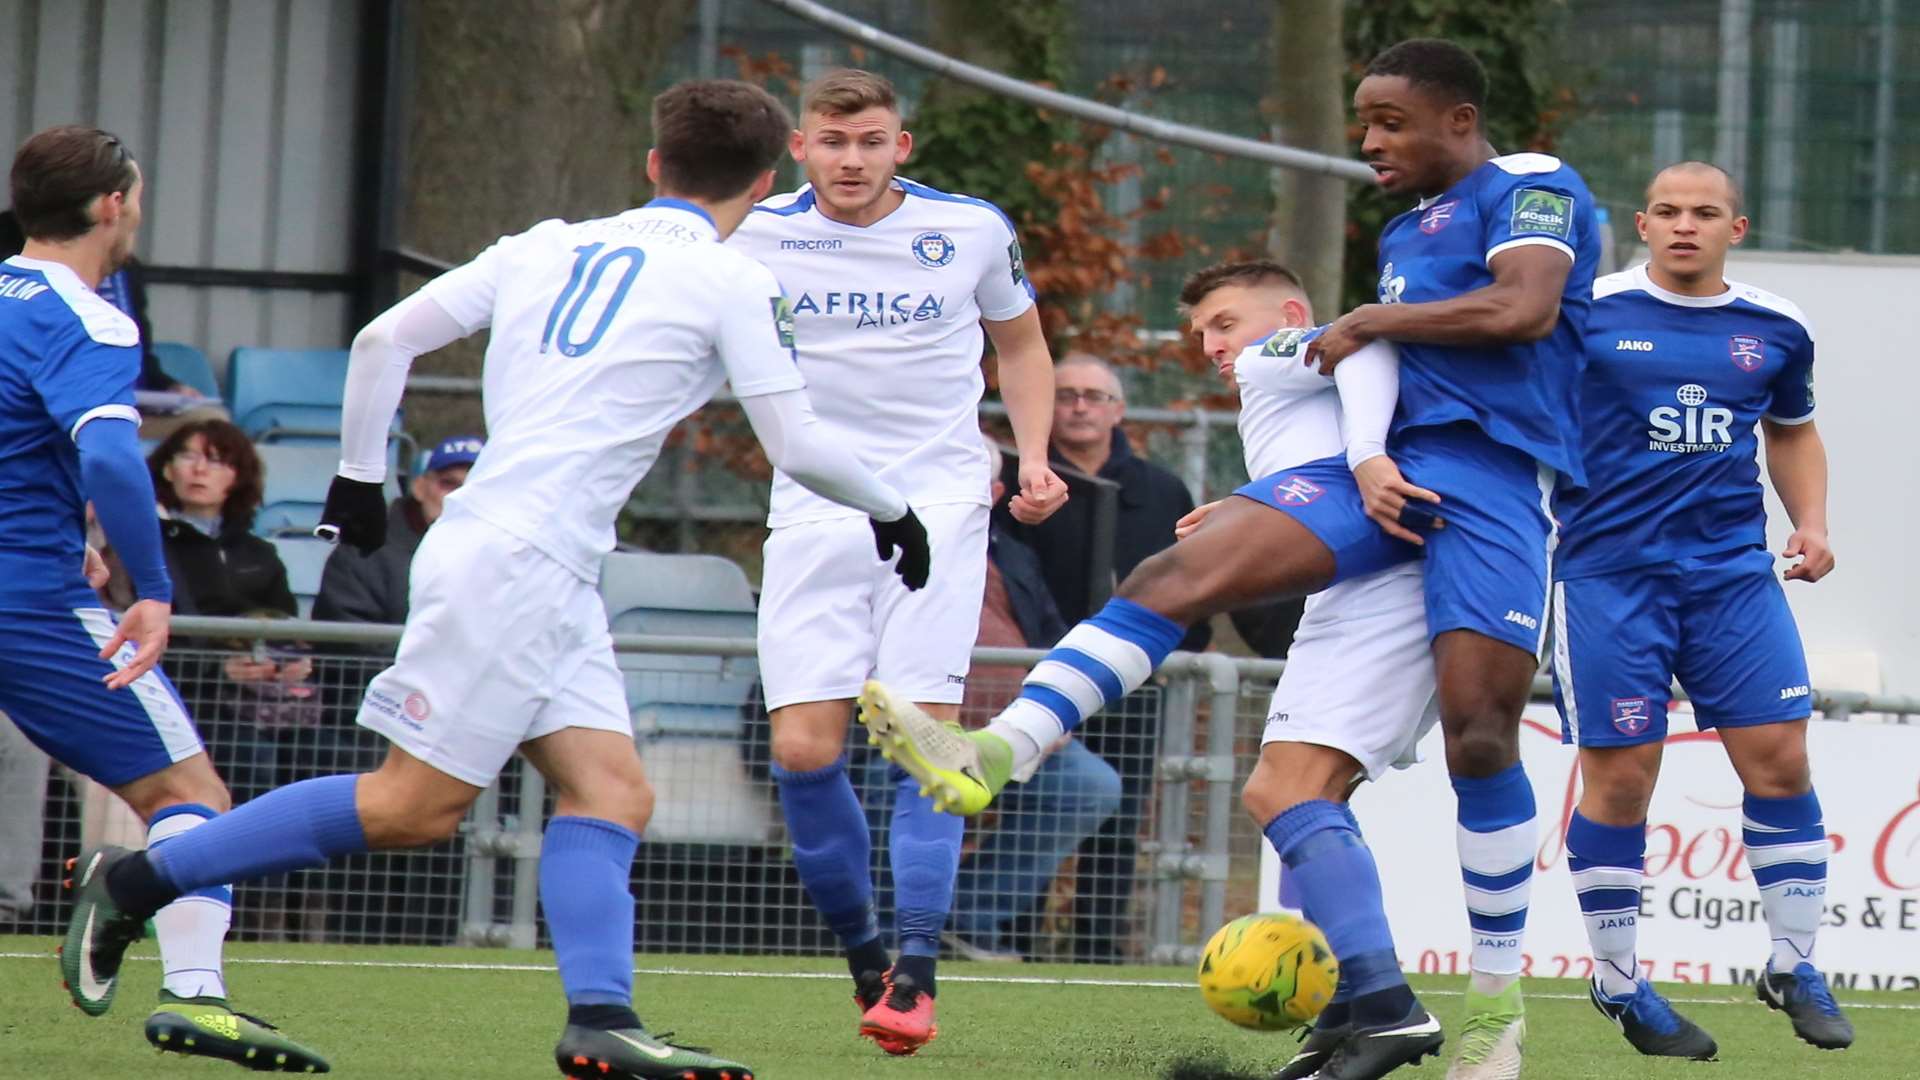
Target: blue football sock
832,849
585,865
1786,843
1099,662
1497,834
1340,886
1608,864
291,828
925,849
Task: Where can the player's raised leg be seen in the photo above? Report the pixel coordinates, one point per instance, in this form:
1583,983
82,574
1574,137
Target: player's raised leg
1242,552
1298,793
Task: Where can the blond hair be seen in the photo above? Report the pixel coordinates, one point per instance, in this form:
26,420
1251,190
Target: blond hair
845,91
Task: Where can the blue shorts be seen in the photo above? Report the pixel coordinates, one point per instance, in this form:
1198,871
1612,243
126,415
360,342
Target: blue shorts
1719,623
1322,496
1487,569
50,686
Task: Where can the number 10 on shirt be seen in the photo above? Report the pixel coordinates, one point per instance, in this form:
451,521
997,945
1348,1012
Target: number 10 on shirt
560,321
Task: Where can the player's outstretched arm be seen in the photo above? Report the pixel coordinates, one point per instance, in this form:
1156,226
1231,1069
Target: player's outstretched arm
1369,385
1522,304
1026,384
383,353
798,444
121,490
1797,465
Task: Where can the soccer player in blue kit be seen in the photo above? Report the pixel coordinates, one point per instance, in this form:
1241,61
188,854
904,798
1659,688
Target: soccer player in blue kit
85,689
1485,287
1663,571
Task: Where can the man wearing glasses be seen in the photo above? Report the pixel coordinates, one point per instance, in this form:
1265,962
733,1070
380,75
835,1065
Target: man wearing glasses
1088,405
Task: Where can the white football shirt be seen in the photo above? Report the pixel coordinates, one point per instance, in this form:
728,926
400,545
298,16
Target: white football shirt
606,333
887,323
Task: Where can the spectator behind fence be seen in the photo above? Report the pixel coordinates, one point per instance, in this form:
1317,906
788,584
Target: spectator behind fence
1072,794
373,588
165,404
1089,403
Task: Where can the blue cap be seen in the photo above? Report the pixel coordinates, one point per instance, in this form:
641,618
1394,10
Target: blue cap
459,450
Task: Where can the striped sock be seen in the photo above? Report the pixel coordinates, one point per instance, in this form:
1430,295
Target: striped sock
193,929
1496,838
1608,863
1099,662
1787,849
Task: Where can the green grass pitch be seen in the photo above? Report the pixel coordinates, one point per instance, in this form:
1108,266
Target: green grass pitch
419,1013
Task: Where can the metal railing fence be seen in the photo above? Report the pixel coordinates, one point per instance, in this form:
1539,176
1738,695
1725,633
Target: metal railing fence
1129,846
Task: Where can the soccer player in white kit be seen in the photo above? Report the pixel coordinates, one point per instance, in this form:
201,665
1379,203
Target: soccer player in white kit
605,334
1358,691
891,283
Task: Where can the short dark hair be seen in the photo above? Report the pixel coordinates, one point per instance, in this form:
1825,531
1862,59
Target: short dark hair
845,91
1439,67
716,136
60,171
234,448
1734,195
1204,281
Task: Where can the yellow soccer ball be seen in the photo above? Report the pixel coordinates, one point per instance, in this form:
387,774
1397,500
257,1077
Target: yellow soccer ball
1268,972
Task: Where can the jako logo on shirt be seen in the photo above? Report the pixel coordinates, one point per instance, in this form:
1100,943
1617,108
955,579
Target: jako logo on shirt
874,308
1632,345
1790,692
1523,619
810,245
1437,216
1696,428
933,249
1748,352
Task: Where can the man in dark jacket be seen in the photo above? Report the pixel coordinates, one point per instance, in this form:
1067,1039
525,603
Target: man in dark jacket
1089,404
373,588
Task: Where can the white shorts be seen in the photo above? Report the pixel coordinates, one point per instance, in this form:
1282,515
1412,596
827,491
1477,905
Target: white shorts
1359,676
503,645
832,615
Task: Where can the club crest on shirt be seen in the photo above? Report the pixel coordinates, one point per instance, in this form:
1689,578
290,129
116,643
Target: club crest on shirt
1631,716
1748,352
1297,491
933,249
1437,216
1014,259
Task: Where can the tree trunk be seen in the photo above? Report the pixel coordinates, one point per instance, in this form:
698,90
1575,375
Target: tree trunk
521,110
1308,110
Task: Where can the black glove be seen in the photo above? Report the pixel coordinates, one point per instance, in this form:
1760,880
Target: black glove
356,513
909,537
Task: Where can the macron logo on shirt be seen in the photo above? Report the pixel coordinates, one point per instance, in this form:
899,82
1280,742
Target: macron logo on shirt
810,245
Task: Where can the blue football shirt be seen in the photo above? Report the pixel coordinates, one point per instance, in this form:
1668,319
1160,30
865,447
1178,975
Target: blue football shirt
1673,390
1522,395
67,357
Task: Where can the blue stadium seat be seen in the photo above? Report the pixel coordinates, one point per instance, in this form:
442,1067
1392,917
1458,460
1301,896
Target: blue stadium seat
687,710
297,476
697,595
186,364
270,391
304,557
